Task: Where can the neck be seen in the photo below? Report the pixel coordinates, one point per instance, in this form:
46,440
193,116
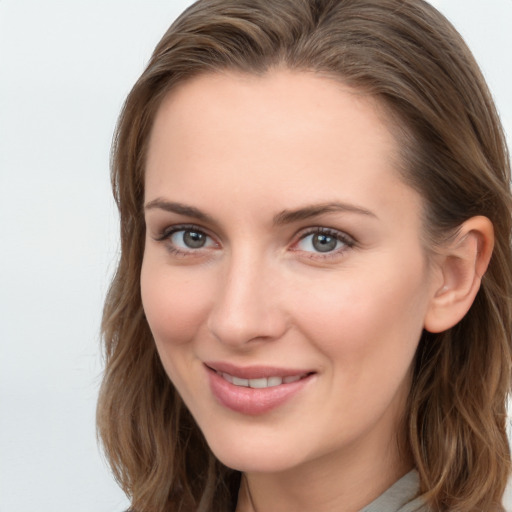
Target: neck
344,481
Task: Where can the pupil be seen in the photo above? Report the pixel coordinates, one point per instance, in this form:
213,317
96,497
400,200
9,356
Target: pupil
193,239
324,243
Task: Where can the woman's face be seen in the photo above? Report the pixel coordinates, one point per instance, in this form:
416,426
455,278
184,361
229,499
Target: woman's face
284,278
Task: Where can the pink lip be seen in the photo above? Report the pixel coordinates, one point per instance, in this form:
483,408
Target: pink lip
252,401
255,372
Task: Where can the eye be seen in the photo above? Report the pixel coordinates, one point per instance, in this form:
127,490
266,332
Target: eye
323,240
186,240
190,239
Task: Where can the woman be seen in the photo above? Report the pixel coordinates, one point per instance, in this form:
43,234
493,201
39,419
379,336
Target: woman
312,306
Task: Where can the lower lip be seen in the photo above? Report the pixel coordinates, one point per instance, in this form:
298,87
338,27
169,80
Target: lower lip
253,401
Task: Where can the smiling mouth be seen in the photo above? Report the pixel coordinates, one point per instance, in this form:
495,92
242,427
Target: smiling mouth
256,389
260,383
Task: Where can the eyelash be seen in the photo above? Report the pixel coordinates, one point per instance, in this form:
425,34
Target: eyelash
166,235
346,240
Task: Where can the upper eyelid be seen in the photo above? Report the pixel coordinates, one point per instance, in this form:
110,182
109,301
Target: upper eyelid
327,230
169,230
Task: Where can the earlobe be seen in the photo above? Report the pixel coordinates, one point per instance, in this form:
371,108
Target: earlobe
462,262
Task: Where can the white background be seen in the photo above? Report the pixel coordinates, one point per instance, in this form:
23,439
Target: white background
65,68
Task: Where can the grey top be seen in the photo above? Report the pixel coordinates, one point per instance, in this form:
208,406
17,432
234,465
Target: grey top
402,496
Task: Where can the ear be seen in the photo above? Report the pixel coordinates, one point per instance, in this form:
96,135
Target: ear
461,263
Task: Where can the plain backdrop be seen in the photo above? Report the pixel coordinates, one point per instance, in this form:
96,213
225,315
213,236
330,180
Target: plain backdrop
65,69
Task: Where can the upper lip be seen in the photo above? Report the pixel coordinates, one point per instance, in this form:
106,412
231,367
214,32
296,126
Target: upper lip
255,372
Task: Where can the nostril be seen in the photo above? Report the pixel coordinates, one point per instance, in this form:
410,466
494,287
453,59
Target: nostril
238,326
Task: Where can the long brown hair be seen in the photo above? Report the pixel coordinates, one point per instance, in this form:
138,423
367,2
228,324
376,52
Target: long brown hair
409,57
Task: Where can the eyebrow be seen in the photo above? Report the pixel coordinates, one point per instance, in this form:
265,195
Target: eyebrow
284,217
179,208
290,216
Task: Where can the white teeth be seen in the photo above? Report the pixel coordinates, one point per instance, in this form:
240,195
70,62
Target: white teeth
258,383
227,377
262,382
240,382
274,381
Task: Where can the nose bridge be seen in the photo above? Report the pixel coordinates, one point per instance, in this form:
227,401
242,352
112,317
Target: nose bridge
245,308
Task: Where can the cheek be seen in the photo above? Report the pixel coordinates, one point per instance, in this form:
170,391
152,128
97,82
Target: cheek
369,314
368,330
174,303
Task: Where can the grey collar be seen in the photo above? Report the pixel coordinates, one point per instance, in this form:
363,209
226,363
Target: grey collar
402,496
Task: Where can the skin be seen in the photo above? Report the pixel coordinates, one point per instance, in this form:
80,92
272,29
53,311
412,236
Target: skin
259,292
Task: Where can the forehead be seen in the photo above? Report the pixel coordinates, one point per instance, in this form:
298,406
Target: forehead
298,132
266,101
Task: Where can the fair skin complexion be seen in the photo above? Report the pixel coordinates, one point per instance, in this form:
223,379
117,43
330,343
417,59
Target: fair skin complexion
281,236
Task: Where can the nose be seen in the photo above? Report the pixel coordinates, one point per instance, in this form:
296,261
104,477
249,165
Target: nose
247,307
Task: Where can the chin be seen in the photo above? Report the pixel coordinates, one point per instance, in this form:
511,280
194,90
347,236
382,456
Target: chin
249,457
